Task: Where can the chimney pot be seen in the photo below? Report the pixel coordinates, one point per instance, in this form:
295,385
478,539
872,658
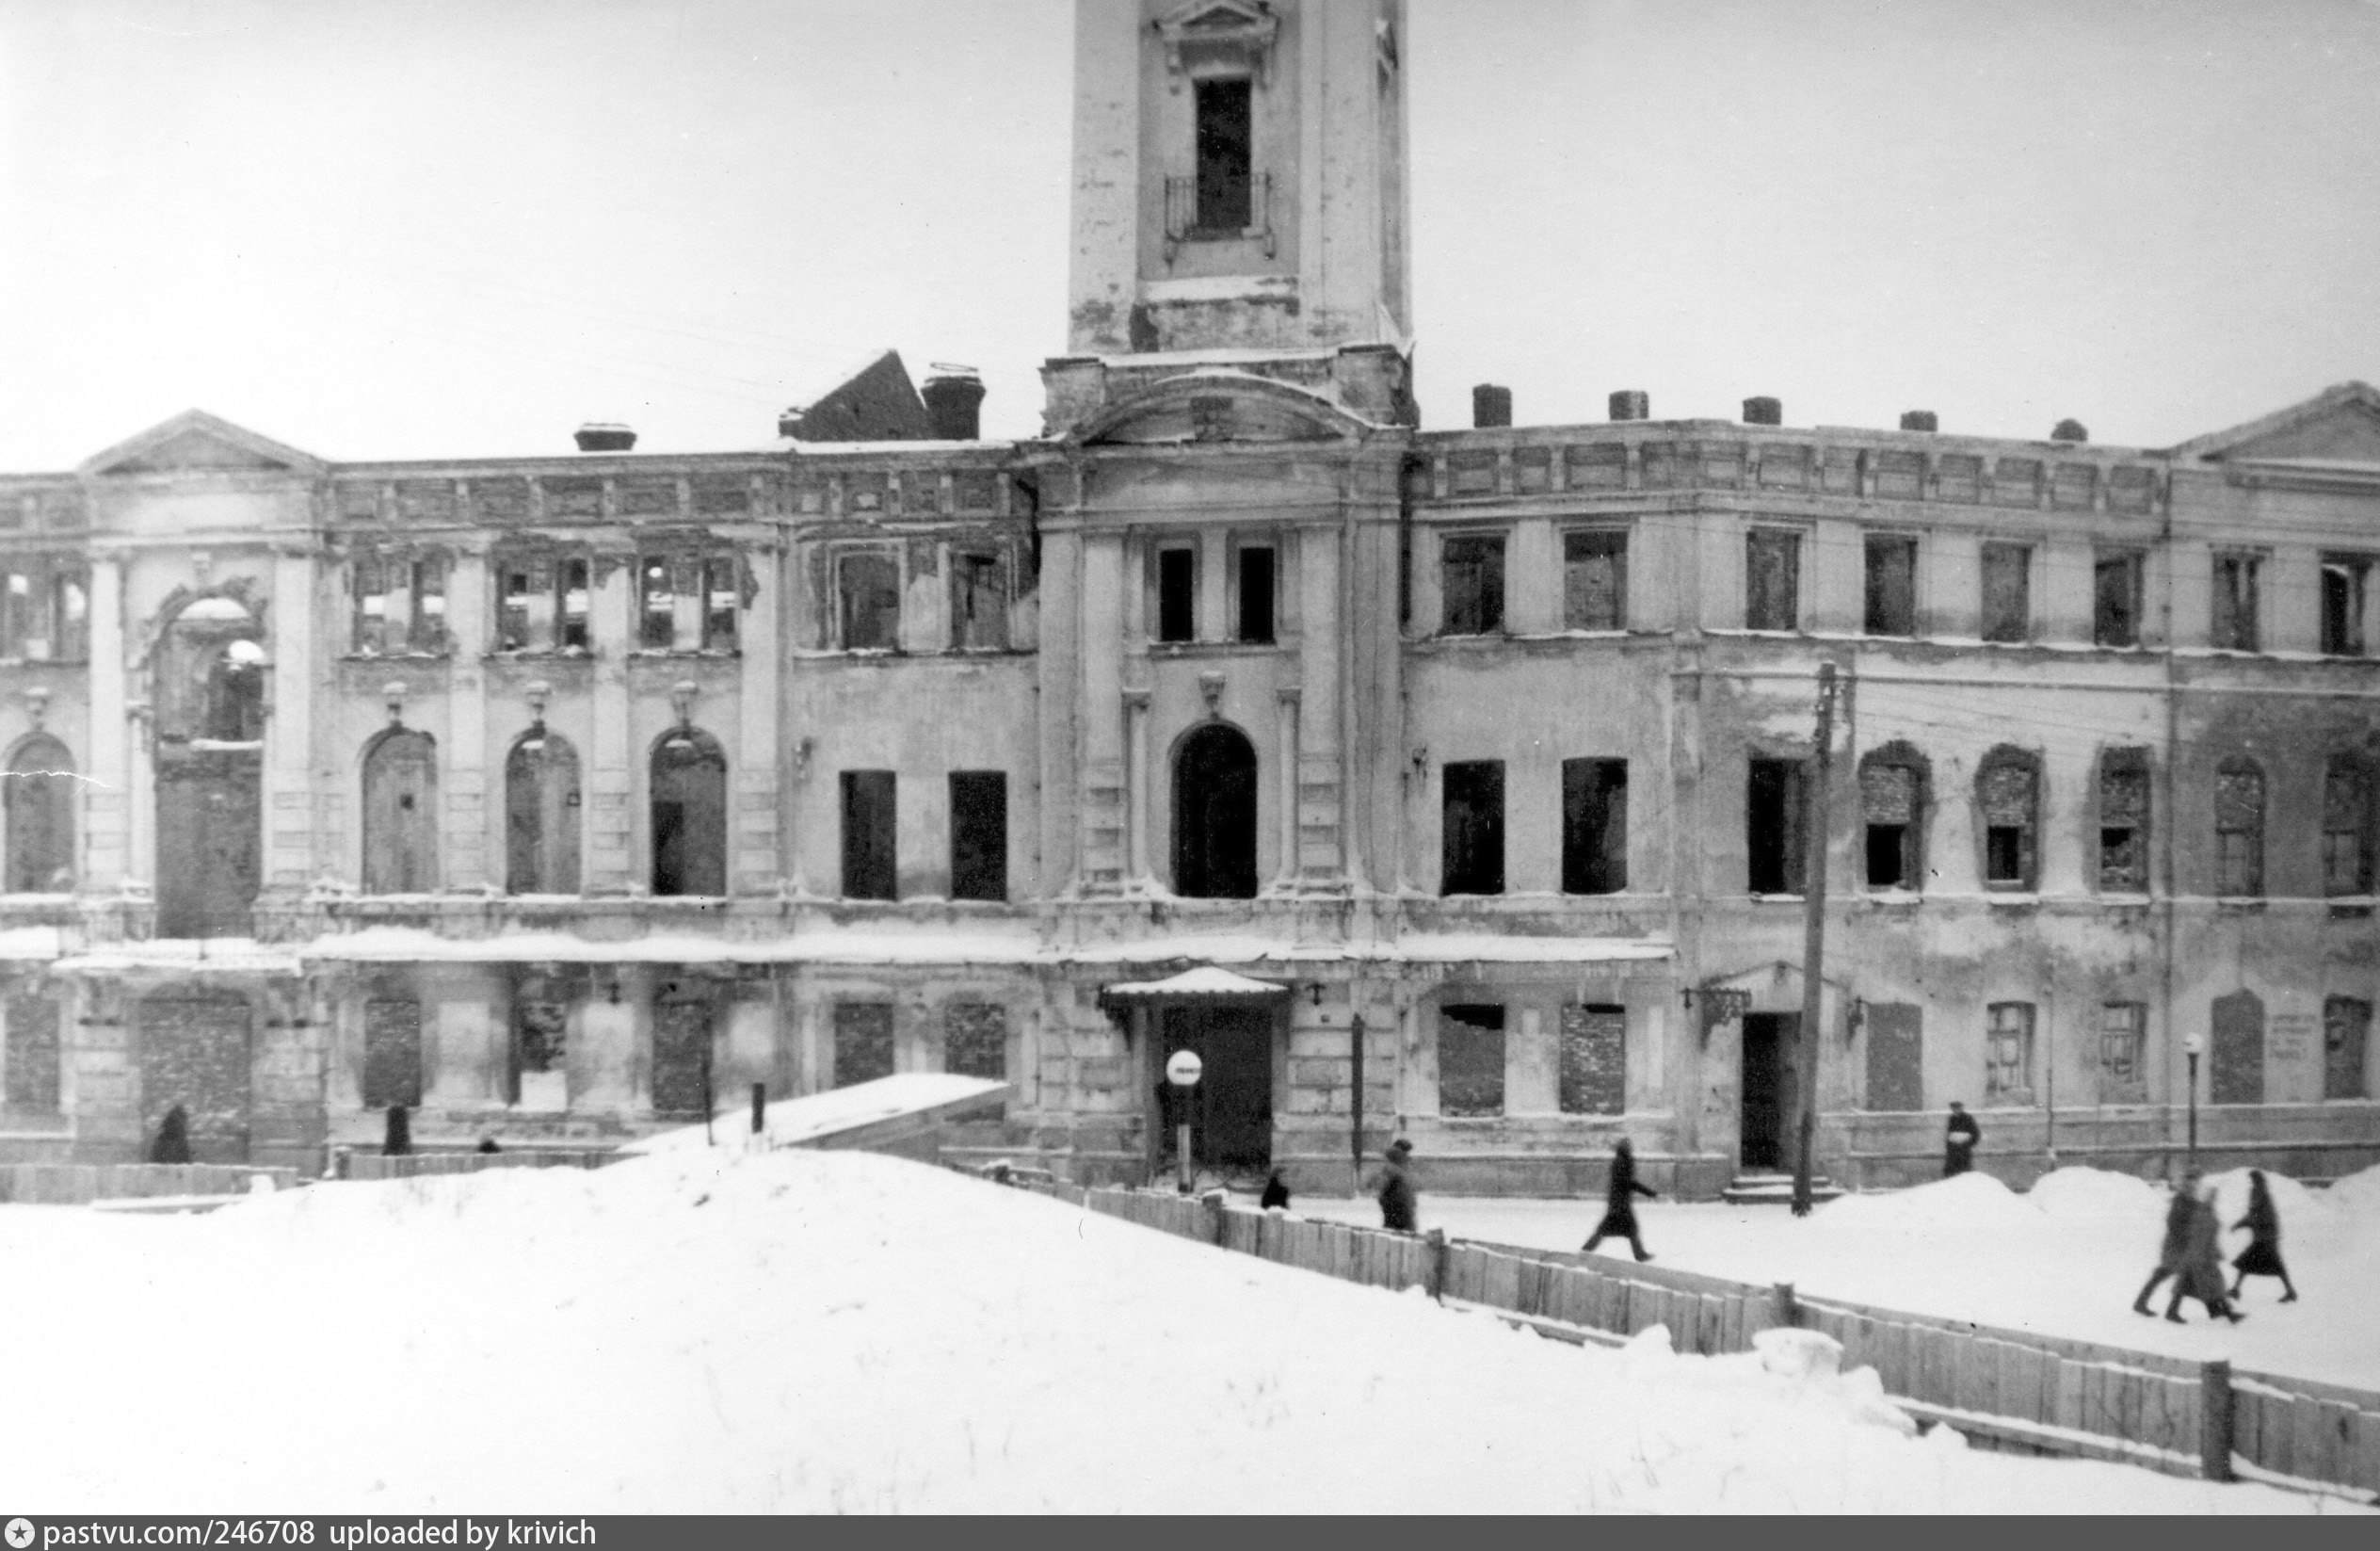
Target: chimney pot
2070,431
1490,405
596,436
1632,404
789,421
953,400
1920,420
1764,412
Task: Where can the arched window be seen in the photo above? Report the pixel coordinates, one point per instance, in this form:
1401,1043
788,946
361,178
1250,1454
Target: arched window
2238,828
1214,815
41,818
1892,805
542,814
2008,792
690,814
2346,826
400,812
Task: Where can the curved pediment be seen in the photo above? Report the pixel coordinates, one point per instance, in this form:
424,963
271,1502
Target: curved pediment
1220,407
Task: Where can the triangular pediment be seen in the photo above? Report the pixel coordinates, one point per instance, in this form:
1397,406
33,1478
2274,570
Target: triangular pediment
1221,406
1213,16
194,441
2339,426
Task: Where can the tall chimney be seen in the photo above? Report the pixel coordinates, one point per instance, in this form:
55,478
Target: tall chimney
2070,431
952,397
1632,404
1919,420
600,436
1764,412
1490,405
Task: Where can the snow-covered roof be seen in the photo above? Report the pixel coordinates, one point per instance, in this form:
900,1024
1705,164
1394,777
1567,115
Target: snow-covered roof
814,1116
1205,981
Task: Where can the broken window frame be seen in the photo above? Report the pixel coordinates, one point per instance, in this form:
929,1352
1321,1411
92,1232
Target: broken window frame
1595,579
1594,826
2008,1048
2347,826
2117,596
2010,618
2240,796
2345,583
2124,862
1772,591
1470,572
1775,870
2009,823
2123,1052
1891,562
400,604
1471,827
1907,840
44,608
978,600
2233,618
689,601
871,623
544,601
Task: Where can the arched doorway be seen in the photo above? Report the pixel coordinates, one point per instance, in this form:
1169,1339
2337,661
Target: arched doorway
208,677
542,814
689,815
1215,814
41,818
400,812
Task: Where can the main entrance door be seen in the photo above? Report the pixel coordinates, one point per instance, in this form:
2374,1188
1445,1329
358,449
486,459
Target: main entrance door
1769,1041
1230,1111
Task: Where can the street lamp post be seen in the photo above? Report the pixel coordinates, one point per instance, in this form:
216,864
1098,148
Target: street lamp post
2191,1045
1181,1071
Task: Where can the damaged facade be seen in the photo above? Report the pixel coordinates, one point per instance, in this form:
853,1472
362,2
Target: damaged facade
554,797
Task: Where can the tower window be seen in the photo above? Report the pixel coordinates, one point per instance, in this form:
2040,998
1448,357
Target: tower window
1226,148
1256,596
1177,594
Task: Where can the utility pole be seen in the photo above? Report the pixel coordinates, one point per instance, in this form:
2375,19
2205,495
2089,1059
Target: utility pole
1814,936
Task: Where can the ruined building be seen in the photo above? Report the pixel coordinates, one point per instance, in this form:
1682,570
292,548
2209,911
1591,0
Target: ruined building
1452,778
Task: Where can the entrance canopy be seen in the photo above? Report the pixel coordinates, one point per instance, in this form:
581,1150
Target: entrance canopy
1208,983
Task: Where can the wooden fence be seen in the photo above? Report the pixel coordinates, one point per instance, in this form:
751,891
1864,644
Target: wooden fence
79,1184
348,1165
2005,1389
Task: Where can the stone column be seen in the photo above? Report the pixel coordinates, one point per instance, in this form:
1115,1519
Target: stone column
288,763
108,797
1285,785
1136,787
609,867
757,867
464,776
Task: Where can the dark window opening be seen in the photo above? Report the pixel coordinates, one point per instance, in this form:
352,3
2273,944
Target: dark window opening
1177,594
1226,155
2346,580
2124,821
1891,799
870,854
689,815
722,598
1595,581
978,603
542,814
2234,621
868,595
1474,839
1887,866
978,834
1594,826
2008,790
1773,581
1256,596
2007,592
1473,572
1773,833
2346,1039
2239,821
1470,1061
2116,600
1214,815
2347,826
1891,586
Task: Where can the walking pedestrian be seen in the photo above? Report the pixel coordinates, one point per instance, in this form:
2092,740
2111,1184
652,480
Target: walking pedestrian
173,1138
1619,1204
2262,1258
2201,1273
1395,1187
397,1141
1959,1138
1276,1193
2175,1246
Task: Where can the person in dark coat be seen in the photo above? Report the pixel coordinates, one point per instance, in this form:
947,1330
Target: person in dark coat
1619,1204
1276,1193
1395,1187
2201,1273
398,1139
488,1144
2176,1246
2262,1258
173,1138
1959,1138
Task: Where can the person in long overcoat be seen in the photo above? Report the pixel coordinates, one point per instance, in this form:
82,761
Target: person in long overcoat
173,1138
2201,1274
1395,1187
1619,1204
2176,1247
397,1141
1959,1141
2262,1258
1276,1193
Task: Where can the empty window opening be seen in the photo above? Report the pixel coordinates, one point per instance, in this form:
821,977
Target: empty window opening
1226,150
2239,823
400,604
44,610
2347,824
1472,571
2234,622
1594,1074
689,815
1772,580
540,1039
542,604
1470,1061
2123,1053
978,603
864,1041
2346,583
1256,596
1177,596
1595,581
1891,586
1473,834
400,821
2346,1040
1215,819
1773,832
392,1053
2124,820
978,834
1594,826
2007,592
2008,792
868,592
870,837
542,814
976,1040
1891,800
2008,1054
2115,596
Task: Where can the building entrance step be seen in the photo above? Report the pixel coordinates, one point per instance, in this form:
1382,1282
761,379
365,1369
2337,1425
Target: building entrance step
1768,1188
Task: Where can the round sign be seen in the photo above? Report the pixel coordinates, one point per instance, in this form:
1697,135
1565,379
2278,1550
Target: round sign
1182,1068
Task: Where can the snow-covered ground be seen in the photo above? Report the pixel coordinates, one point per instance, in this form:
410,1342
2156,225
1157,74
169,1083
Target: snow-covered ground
2065,1258
802,1331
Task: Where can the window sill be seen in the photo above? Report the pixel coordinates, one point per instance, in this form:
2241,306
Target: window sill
662,653
439,656
541,654
1212,649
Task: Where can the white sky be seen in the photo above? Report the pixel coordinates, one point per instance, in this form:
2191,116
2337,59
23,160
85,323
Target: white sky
428,228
